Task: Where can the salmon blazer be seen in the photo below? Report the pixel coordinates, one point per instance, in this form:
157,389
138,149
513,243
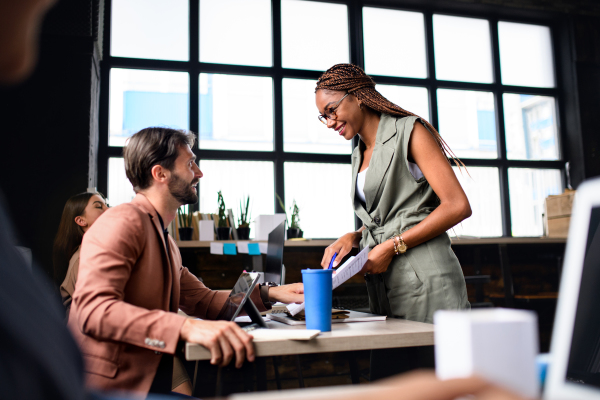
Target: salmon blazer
131,283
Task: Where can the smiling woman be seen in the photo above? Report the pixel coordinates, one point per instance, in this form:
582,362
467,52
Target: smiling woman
406,195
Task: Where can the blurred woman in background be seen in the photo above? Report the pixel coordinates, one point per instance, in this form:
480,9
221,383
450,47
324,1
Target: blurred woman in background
80,212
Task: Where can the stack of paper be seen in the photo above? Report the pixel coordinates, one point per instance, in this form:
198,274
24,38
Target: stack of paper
350,268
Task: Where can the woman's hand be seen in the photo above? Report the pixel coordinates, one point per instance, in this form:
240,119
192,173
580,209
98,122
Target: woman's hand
342,246
380,258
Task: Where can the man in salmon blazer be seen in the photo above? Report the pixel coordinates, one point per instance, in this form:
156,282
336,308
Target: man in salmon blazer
131,281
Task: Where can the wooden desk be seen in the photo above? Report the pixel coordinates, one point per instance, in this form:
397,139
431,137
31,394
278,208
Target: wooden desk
392,333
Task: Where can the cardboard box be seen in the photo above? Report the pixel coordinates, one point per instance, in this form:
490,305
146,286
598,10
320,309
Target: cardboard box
559,205
557,214
558,227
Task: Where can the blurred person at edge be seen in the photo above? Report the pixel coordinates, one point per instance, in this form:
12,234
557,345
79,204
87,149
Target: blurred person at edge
38,357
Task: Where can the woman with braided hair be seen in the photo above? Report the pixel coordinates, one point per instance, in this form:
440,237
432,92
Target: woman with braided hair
405,193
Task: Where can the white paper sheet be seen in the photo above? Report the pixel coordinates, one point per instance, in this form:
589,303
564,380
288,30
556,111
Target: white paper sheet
216,248
346,271
242,247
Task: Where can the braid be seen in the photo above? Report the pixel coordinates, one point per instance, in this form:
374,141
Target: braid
352,79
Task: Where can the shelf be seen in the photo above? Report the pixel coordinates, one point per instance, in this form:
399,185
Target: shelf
288,243
455,241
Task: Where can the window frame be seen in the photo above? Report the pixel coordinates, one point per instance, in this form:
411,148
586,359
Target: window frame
278,156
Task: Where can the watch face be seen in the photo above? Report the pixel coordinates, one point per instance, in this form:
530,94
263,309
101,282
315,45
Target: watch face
402,247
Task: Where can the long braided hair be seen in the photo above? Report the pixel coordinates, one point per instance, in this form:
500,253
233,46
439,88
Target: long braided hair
353,80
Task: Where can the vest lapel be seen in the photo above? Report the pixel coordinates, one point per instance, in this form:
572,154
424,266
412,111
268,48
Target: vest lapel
383,153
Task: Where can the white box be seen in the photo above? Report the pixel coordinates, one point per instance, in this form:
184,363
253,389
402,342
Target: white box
499,345
206,230
265,224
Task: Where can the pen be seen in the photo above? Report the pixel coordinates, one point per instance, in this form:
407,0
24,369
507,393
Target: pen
331,263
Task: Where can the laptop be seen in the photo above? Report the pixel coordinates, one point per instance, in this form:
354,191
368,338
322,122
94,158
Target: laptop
574,370
274,269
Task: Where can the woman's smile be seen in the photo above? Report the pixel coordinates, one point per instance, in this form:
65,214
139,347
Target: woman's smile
340,129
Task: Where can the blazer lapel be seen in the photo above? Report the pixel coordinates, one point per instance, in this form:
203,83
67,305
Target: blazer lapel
383,153
141,201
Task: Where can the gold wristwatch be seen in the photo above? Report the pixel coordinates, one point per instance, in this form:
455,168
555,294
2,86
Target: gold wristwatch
399,245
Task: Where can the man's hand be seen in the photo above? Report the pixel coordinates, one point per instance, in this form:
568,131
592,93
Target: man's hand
222,338
292,293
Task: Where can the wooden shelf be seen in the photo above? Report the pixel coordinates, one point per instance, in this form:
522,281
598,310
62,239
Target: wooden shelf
455,241
288,243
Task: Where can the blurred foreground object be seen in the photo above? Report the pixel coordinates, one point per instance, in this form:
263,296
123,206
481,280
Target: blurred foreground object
499,345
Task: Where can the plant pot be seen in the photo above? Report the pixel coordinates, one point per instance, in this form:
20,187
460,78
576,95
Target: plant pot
293,233
243,233
223,233
185,233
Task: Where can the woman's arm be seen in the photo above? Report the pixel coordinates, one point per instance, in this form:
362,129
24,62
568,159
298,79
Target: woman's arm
453,208
454,205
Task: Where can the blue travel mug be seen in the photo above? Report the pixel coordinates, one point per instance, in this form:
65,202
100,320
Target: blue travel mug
317,298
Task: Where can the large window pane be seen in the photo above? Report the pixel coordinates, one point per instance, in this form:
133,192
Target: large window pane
236,32
237,179
236,112
413,99
525,55
382,59
302,131
139,99
528,188
314,35
468,122
482,187
462,49
530,123
119,188
154,29
322,192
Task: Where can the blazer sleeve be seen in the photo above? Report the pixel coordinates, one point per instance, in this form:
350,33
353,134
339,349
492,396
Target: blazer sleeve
110,249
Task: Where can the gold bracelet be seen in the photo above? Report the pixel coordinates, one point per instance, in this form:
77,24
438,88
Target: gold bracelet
399,245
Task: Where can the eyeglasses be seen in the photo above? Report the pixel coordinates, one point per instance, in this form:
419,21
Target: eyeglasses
331,114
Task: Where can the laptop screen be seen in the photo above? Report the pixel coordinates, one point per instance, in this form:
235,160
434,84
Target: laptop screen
275,254
584,357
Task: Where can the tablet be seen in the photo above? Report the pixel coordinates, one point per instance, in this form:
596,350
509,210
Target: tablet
242,290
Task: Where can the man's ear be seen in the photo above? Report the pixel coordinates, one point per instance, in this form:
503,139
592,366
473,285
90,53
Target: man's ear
79,220
159,173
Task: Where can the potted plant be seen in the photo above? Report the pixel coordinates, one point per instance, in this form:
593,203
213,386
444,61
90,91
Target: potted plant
294,230
223,231
184,216
243,229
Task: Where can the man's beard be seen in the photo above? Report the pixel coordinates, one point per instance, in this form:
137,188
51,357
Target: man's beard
182,191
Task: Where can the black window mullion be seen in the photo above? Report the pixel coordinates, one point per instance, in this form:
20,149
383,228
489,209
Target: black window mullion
355,34
500,132
194,90
104,103
432,87
278,106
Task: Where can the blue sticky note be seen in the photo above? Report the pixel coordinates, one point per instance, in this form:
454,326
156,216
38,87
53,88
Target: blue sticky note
253,249
230,249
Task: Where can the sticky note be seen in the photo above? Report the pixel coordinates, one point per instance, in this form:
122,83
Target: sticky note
253,249
229,249
242,247
263,247
216,248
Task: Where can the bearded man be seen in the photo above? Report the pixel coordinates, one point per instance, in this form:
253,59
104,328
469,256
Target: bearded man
131,281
